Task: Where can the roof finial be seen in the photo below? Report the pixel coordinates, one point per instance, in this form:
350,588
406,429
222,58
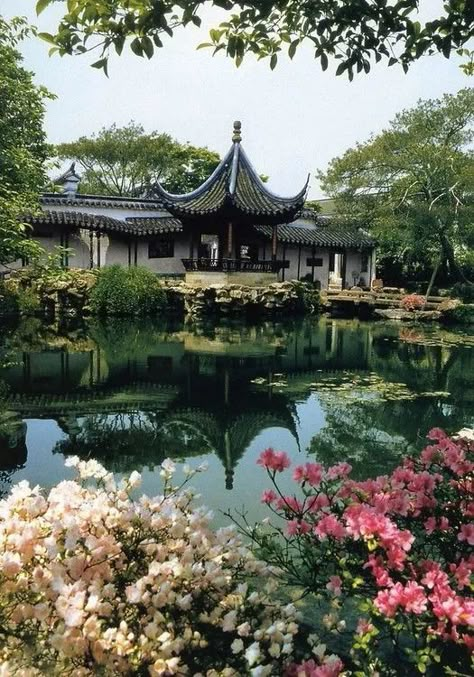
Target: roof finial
236,136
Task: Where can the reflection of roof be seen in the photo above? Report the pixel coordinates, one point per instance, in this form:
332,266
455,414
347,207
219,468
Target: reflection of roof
143,396
234,191
230,436
320,236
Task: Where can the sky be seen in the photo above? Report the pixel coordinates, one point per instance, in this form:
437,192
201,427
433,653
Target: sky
295,119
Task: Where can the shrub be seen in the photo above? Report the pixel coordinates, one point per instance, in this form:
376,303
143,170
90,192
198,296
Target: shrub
463,314
463,291
412,302
8,301
127,291
93,582
28,301
399,546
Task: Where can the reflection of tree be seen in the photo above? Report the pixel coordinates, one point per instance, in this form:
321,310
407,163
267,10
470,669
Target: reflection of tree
127,441
374,434
13,452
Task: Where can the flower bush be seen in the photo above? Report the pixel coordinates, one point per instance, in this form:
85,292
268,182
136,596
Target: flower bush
413,302
399,547
94,582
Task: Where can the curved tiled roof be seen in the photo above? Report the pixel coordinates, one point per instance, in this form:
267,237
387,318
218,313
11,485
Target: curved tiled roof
151,224
319,235
322,236
81,200
107,224
234,192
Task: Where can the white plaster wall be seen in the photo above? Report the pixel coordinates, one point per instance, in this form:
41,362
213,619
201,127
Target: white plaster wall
117,252
80,246
165,265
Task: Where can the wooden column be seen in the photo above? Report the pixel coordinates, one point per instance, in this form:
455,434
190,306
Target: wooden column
283,270
98,249
135,256
299,261
66,253
91,248
229,240
274,242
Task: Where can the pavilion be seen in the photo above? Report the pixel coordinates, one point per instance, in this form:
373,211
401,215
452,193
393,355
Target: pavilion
230,229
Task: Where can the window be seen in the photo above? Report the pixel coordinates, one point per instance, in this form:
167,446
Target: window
364,262
161,248
317,263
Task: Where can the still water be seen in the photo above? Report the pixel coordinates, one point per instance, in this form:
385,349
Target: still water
131,393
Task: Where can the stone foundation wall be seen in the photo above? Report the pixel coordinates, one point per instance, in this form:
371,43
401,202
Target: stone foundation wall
210,279
226,299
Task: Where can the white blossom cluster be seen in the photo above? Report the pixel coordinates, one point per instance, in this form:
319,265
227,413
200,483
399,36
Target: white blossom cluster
95,582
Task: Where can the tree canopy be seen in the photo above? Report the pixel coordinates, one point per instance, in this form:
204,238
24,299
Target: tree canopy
412,185
354,33
23,146
127,161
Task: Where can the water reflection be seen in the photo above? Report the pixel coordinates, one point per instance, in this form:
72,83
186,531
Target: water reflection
131,394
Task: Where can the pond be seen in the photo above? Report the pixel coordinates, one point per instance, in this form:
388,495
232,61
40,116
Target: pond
131,393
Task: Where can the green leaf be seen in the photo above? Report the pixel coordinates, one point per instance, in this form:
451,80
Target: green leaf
47,37
136,47
292,48
41,5
147,46
101,64
273,61
324,61
204,45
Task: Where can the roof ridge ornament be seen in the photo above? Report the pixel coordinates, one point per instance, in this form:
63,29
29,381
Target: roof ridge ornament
237,136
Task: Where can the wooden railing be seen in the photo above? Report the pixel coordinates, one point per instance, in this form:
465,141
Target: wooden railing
231,266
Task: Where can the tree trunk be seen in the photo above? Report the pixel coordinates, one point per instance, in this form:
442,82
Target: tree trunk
448,251
430,285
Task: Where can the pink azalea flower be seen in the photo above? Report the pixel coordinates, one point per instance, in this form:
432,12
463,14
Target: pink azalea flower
364,627
467,533
268,496
296,527
334,585
310,472
436,434
274,460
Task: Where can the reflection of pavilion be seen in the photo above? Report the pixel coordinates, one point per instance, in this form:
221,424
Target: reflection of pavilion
191,396
142,394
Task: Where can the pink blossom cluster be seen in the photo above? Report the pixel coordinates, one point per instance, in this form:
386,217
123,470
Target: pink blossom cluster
401,543
412,302
92,581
